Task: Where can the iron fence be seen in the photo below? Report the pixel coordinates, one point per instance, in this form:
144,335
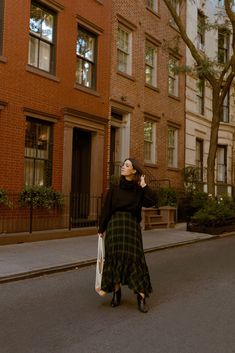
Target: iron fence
77,211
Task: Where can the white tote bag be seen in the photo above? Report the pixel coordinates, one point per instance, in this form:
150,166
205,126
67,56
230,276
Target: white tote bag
99,266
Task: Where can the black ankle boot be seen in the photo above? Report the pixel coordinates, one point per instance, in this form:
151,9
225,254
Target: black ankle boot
143,308
116,300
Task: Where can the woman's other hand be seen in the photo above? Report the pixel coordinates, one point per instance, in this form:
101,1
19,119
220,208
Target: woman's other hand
100,235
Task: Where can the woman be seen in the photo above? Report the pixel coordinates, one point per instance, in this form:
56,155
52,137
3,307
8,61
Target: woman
120,218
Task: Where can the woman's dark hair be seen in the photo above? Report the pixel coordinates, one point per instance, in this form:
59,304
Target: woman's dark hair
139,170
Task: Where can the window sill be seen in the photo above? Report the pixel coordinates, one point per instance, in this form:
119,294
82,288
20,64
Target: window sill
155,13
174,97
86,90
3,59
156,89
150,164
123,74
173,169
34,70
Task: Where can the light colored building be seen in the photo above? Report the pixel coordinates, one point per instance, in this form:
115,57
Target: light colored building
216,43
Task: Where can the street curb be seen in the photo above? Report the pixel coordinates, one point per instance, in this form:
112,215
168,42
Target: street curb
86,263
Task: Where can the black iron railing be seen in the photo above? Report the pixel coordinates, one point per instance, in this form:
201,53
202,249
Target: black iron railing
78,210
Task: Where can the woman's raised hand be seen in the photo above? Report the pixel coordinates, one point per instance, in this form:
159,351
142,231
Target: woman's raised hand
142,181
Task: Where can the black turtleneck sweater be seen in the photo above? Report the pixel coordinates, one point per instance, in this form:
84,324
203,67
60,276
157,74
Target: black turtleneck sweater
125,197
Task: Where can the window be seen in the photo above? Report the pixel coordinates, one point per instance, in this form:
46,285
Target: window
200,30
86,58
172,147
222,164
199,158
173,78
1,24
221,3
223,46
224,114
152,4
38,152
124,50
150,64
200,96
41,38
149,141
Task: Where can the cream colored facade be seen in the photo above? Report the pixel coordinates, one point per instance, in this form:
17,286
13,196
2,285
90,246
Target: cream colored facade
197,124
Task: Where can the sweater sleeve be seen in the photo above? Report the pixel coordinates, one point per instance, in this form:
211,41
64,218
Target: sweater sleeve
106,212
149,197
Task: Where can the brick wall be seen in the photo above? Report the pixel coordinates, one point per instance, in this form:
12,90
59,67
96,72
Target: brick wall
26,90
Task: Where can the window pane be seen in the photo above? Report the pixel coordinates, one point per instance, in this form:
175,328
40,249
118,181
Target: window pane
39,173
147,151
79,71
29,171
122,61
33,51
35,23
123,40
85,45
38,165
47,26
84,73
148,75
171,84
149,56
44,56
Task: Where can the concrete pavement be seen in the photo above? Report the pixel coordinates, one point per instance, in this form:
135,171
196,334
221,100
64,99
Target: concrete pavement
19,261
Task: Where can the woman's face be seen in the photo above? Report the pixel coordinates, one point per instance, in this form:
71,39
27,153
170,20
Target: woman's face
127,170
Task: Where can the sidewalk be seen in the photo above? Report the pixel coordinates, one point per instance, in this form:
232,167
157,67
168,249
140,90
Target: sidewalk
26,260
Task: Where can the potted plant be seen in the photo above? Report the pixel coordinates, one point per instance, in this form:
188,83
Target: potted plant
4,199
40,197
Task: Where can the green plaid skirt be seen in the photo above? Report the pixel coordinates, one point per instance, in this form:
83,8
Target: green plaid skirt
124,255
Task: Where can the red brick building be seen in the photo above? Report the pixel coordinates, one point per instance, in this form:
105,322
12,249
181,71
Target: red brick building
147,95
85,84
54,90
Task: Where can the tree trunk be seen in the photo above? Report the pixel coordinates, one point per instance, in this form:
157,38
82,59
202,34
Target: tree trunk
213,143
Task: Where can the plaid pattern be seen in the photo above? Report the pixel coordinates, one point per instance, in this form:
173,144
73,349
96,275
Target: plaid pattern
124,255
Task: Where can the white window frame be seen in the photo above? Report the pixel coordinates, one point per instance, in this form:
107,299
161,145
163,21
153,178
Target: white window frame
150,143
172,147
125,52
173,78
151,65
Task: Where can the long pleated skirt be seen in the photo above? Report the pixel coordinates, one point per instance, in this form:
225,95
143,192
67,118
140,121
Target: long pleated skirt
124,255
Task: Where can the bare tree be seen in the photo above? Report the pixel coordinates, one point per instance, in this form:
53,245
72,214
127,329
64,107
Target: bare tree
219,77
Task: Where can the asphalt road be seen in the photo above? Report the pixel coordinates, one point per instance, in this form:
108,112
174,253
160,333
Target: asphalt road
192,308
